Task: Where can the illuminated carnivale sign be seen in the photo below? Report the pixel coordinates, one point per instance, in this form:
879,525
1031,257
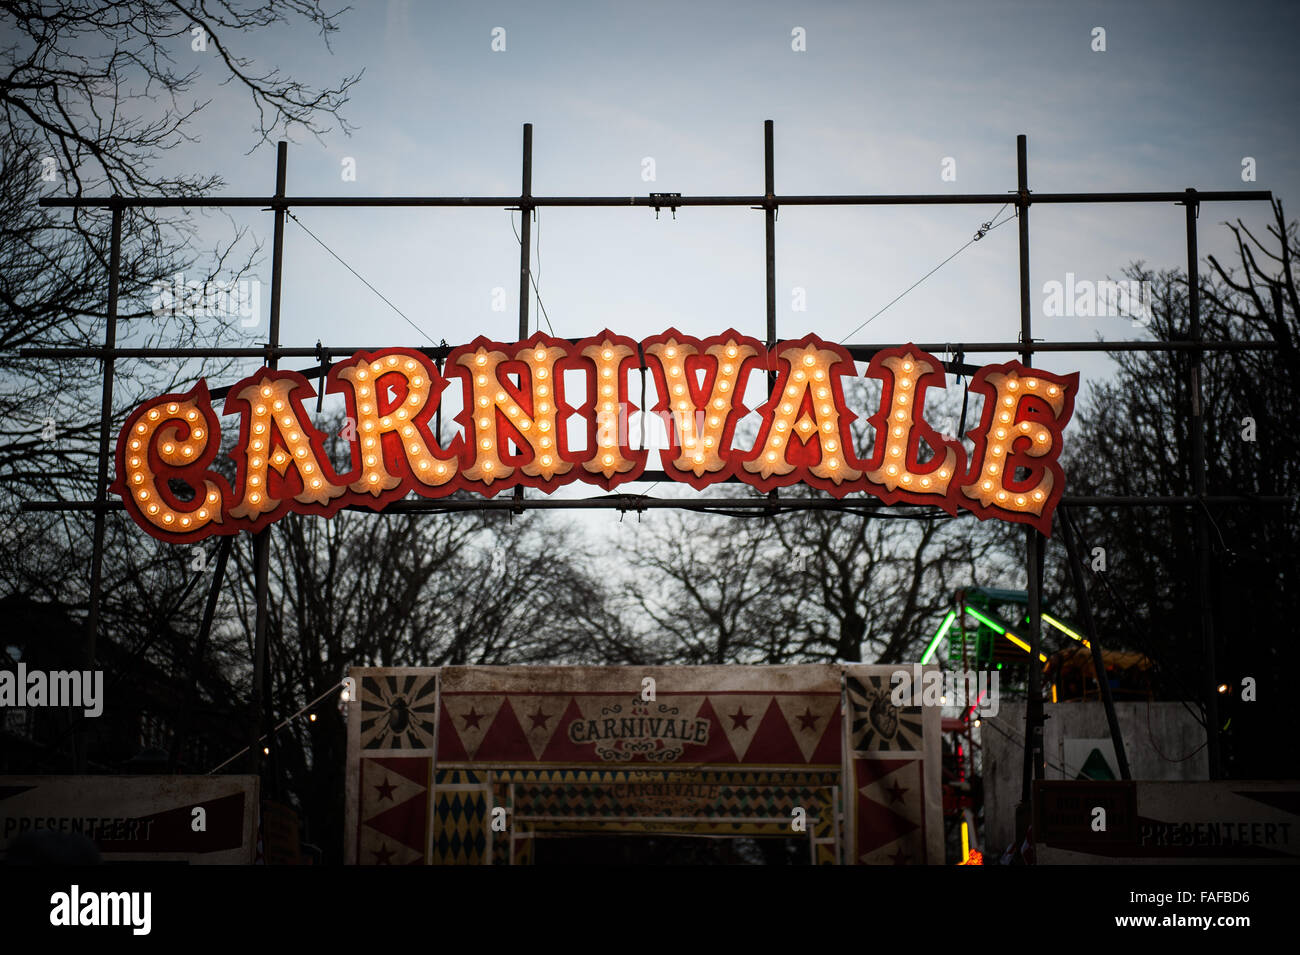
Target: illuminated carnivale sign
516,423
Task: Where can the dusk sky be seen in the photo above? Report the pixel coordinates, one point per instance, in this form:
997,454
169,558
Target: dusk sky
883,93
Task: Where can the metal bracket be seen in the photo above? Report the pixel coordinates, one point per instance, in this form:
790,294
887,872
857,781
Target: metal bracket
659,200
323,356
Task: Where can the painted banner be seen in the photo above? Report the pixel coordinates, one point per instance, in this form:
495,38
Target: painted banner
472,765
894,808
1224,821
194,819
524,423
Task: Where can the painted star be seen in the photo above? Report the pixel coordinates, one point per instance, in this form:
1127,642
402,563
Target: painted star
740,719
899,857
539,718
895,792
808,720
471,718
383,856
385,789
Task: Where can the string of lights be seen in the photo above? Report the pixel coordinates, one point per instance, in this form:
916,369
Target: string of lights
346,683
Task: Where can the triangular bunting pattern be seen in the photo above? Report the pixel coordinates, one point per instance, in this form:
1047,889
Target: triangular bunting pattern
539,717
829,751
809,717
562,749
773,743
889,812
739,716
385,789
505,739
718,749
470,716
394,811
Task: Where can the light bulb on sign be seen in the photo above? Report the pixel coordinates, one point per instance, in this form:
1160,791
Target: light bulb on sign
805,433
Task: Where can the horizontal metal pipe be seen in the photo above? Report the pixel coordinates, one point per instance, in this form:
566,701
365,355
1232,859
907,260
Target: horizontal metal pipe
1228,195
515,202
282,351
437,351
662,202
641,502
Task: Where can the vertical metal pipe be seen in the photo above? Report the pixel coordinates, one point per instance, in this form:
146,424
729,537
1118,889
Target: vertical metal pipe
262,539
525,247
965,668
769,215
1033,766
437,414
961,603
1090,627
1034,760
1205,609
277,248
200,648
261,576
101,475
525,230
1022,215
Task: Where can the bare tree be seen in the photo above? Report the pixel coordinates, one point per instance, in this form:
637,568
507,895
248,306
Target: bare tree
806,584
153,600
876,585
1134,437
708,589
91,99
413,590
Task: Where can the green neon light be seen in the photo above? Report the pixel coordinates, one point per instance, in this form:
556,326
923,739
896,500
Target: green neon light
943,629
1010,635
987,621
